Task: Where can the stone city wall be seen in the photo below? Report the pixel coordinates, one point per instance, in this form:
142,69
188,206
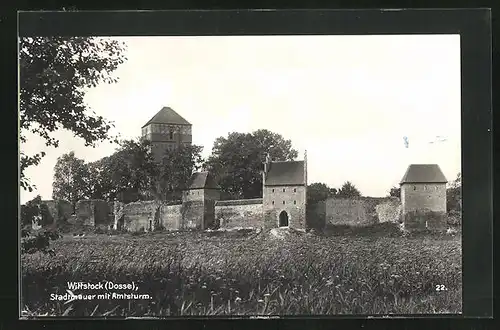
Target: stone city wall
239,213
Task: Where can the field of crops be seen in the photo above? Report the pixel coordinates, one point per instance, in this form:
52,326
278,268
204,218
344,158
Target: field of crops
248,274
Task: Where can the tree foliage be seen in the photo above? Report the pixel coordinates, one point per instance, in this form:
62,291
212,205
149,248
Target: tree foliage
454,195
54,75
122,175
395,192
172,174
70,179
35,211
131,173
236,161
317,192
348,190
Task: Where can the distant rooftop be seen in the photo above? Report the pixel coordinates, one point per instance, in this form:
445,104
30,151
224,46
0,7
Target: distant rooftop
285,174
423,173
202,180
167,116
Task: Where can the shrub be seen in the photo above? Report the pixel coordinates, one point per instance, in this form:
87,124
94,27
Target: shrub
159,227
99,230
425,219
33,209
454,219
387,229
38,242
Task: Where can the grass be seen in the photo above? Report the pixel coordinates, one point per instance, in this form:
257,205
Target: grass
241,273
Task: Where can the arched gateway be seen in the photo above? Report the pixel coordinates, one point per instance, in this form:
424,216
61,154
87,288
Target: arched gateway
283,219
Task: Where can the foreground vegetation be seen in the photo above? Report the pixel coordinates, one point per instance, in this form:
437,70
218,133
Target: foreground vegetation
244,273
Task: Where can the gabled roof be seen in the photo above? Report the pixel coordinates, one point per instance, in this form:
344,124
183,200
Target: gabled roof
202,180
285,174
423,173
167,116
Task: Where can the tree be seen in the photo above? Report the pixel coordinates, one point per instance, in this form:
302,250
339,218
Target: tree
54,74
317,192
395,192
348,190
99,181
125,174
172,174
132,174
35,209
236,161
70,179
454,195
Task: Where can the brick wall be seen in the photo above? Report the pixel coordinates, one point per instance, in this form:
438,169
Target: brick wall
239,213
360,211
352,212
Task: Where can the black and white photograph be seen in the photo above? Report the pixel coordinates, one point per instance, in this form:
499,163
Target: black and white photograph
237,176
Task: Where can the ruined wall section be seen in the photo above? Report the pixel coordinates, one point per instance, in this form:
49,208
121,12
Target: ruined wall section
93,213
59,210
139,216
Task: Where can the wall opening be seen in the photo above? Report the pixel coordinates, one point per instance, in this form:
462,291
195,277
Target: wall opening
283,219
119,224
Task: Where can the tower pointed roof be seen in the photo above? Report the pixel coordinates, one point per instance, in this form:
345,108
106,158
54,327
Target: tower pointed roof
288,173
202,180
423,173
167,116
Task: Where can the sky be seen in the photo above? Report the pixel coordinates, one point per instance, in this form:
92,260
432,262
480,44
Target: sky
350,101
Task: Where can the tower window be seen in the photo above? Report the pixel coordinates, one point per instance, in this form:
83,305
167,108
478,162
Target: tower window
414,187
294,202
283,202
171,135
294,189
273,202
273,190
283,189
